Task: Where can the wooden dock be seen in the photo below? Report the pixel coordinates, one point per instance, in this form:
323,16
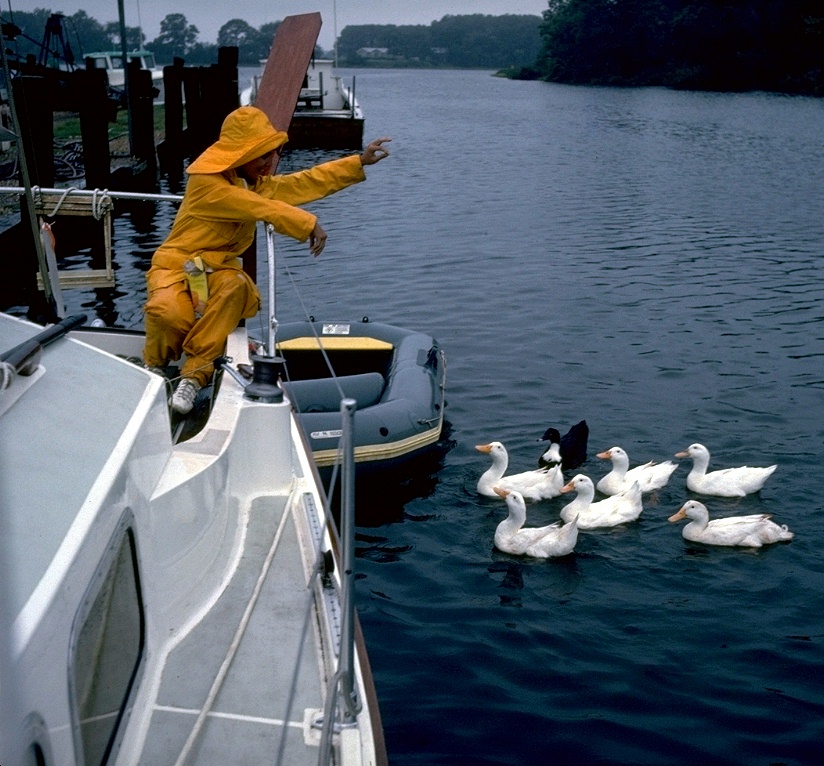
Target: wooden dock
197,99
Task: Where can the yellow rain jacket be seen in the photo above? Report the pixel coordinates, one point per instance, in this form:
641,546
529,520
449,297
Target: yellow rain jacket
217,217
216,222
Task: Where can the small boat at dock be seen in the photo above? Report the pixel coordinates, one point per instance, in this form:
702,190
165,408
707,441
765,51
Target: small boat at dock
327,115
112,63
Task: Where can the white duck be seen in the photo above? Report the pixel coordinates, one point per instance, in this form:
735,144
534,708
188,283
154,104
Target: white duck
650,476
539,542
540,484
618,509
727,482
749,531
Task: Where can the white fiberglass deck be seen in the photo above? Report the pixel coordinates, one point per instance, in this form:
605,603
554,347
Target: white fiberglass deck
48,468
246,721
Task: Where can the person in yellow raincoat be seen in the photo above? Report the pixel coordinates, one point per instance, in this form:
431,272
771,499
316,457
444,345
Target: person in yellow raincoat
198,291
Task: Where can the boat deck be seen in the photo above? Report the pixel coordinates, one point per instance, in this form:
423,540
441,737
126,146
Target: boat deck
246,721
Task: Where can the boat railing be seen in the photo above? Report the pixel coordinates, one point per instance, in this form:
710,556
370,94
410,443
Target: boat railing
98,194
342,700
342,703
43,202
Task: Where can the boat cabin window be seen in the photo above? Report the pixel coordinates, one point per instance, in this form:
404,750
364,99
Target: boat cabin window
98,62
106,652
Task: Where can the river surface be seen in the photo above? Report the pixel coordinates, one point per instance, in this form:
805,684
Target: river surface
647,260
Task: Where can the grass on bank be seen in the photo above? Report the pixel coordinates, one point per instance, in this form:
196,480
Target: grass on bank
67,125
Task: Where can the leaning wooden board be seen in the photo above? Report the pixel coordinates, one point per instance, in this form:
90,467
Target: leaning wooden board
286,67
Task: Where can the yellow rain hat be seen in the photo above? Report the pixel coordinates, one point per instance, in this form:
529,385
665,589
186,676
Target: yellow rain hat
245,135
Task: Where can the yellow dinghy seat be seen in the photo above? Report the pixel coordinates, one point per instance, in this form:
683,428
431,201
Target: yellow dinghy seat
348,355
324,394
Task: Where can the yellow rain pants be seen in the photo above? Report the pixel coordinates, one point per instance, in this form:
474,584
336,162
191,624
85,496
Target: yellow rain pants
171,325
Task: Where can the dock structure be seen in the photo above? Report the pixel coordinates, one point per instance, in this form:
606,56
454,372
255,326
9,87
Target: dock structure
197,99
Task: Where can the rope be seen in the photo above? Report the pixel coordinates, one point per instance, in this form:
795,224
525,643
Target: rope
327,509
60,201
314,331
105,201
101,201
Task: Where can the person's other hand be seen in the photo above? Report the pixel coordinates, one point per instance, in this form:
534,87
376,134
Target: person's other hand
317,240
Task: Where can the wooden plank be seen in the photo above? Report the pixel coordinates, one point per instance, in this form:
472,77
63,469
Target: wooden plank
280,85
83,278
286,67
50,203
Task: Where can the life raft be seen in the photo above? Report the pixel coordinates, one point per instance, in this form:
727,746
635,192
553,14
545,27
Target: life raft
396,377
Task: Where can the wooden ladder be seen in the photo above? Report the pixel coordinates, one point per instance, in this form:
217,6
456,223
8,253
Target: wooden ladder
97,205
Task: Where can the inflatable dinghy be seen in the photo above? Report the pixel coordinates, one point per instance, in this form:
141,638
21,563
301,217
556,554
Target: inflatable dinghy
396,376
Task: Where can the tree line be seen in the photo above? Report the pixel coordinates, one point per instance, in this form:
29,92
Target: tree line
454,41
775,45
731,45
177,38
475,40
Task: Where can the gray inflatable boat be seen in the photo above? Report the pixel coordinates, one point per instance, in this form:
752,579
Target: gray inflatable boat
396,376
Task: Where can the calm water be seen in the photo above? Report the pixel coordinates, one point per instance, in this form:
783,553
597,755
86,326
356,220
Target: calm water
647,260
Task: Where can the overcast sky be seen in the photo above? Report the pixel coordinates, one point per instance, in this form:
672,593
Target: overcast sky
210,15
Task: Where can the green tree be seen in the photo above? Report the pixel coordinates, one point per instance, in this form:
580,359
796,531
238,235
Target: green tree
461,41
267,35
704,44
248,40
236,32
201,54
177,37
135,39
88,33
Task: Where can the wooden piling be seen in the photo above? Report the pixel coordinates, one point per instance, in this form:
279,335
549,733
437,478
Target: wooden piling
91,87
141,108
170,151
34,112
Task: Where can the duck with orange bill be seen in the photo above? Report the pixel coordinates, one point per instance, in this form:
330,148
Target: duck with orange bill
545,542
618,509
539,484
650,476
726,482
747,531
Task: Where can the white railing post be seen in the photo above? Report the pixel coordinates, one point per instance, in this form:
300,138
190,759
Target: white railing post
351,702
273,322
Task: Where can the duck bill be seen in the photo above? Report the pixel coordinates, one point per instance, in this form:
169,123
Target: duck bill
681,514
501,492
568,488
605,455
682,454
483,447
